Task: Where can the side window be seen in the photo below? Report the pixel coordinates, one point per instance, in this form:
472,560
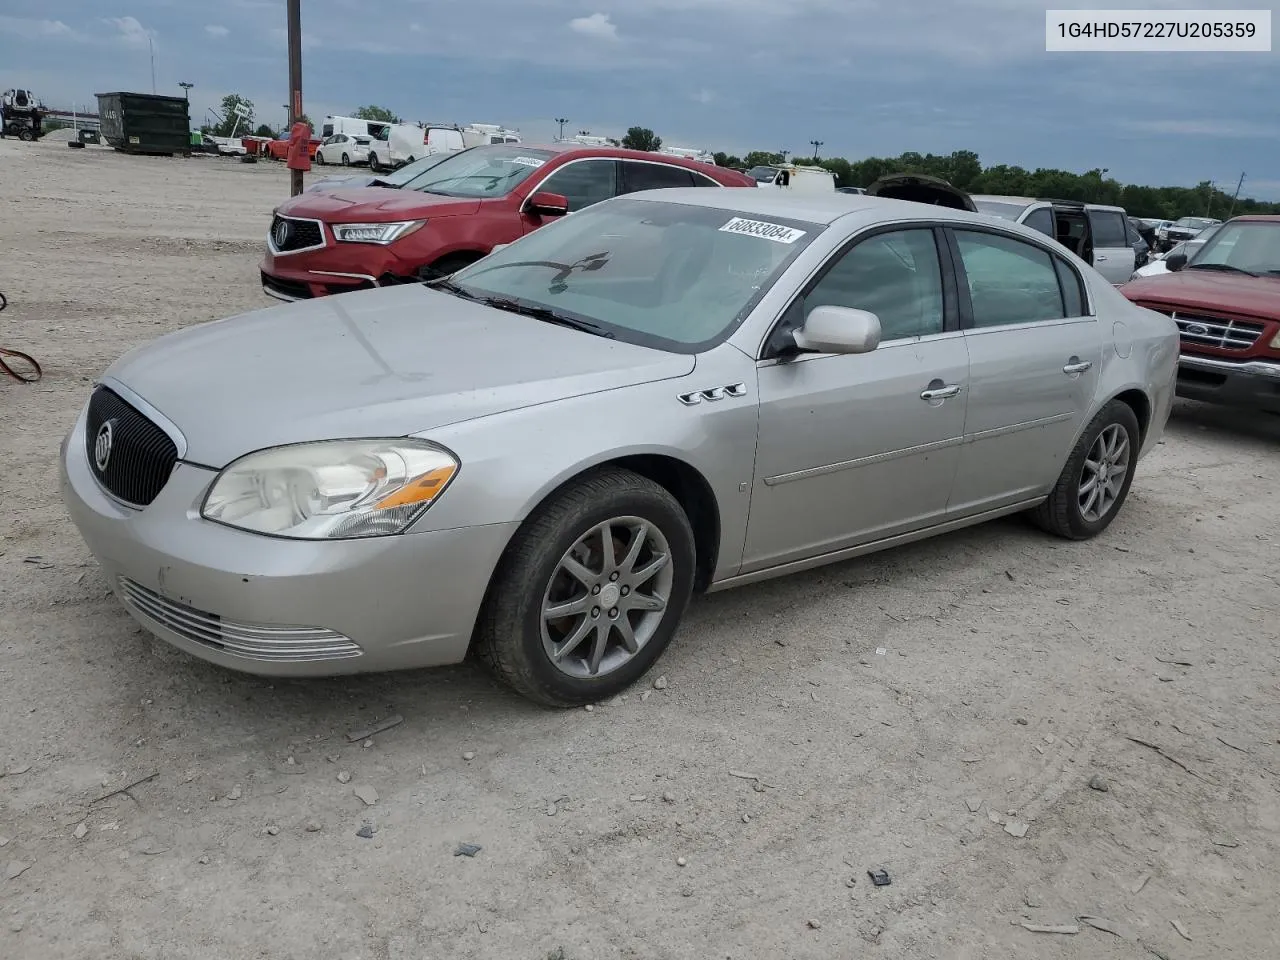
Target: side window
638,176
703,181
1072,289
1108,229
1040,219
584,183
1010,281
894,275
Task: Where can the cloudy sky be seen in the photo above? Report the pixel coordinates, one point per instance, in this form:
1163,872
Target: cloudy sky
866,77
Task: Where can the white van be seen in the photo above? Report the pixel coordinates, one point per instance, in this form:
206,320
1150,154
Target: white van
481,134
702,156
412,141
354,127
797,179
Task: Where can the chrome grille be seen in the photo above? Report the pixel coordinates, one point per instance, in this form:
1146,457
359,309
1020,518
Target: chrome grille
129,454
1216,332
248,640
293,234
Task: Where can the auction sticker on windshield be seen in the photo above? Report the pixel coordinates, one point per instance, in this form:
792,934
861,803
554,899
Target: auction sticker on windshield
759,228
528,161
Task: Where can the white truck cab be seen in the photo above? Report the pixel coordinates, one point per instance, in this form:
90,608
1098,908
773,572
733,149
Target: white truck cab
795,178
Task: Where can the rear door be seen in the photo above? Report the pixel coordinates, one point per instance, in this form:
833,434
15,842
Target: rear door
638,175
1112,254
1034,353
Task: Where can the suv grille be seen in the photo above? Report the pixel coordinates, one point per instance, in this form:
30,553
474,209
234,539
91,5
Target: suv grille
131,456
1215,332
289,235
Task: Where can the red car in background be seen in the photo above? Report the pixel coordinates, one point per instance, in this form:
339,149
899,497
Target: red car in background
1225,300
454,212
278,149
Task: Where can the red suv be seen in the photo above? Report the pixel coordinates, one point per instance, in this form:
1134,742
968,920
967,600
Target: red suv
422,225
1226,302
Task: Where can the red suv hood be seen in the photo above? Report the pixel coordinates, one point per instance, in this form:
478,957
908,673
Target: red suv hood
375,205
1232,293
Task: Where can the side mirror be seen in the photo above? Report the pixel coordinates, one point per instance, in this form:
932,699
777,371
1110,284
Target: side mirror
548,204
1176,262
839,330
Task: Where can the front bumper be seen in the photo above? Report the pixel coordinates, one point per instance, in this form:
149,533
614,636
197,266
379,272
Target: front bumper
1244,383
282,607
334,268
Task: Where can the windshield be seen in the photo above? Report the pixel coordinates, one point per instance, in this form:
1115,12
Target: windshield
1195,223
998,208
673,276
411,171
488,171
762,174
1250,246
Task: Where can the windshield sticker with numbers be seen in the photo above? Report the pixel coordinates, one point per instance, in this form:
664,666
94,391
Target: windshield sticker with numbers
766,231
528,161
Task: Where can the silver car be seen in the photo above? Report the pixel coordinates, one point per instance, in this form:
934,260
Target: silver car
540,458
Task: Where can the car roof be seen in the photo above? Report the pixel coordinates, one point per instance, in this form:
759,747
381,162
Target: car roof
822,208
1258,218
999,198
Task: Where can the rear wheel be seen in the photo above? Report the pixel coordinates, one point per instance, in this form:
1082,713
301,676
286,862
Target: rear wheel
26,136
1096,479
346,160
590,592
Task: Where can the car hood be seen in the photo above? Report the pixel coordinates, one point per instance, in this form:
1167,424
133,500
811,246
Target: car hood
1213,292
375,204
330,184
386,362
919,188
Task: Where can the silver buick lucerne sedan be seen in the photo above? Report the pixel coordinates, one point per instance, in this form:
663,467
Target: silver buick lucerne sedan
540,458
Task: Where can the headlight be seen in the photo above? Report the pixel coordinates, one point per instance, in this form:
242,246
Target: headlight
331,490
383,233
1275,341
1135,276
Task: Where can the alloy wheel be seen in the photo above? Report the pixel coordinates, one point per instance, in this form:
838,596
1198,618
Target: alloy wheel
1103,473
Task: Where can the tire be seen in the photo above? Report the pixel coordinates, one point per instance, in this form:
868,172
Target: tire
1064,513
319,158
374,165
26,136
346,160
514,640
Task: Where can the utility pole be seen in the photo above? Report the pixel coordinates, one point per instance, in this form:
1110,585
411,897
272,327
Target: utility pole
562,121
152,47
186,90
816,145
1208,203
1235,196
295,82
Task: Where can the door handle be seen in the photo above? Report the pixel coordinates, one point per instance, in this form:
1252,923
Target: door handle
940,393
1099,259
1077,366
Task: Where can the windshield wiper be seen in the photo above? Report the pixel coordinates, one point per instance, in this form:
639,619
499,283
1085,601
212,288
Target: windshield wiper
547,315
444,283
1219,266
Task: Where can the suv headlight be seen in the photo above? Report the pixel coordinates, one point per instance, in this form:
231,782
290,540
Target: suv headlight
1275,341
382,233
332,489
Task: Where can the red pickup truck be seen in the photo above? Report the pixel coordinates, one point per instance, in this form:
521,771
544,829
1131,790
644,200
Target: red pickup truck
1226,302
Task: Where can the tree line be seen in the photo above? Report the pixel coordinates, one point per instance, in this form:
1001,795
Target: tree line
964,170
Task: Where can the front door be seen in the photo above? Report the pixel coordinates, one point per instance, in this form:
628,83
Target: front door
856,448
1034,354
1113,255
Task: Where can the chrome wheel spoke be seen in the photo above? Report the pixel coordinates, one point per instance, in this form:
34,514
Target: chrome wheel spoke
1088,485
598,647
1087,509
633,552
647,573
627,634
576,569
642,601
567,608
574,641
607,549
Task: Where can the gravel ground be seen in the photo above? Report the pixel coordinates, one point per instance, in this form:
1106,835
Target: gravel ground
916,710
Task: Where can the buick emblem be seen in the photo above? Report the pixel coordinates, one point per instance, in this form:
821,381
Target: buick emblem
1197,329
102,446
280,234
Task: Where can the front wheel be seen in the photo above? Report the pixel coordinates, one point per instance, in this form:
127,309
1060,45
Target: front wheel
374,165
320,159
590,592
1096,479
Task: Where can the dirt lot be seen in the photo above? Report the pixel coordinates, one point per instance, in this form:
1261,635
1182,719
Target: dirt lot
898,711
